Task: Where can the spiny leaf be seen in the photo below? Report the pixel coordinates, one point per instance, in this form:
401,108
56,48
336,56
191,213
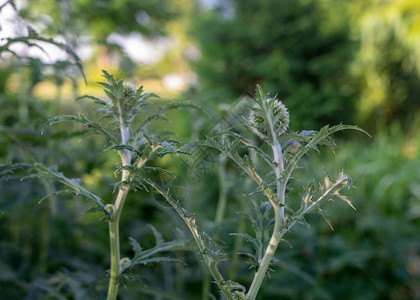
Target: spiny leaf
11,168
109,77
153,260
58,119
73,183
142,256
316,138
159,170
62,192
136,246
79,118
95,99
160,113
248,238
33,37
247,143
125,147
158,237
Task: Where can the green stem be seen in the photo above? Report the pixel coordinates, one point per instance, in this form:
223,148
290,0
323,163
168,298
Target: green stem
115,260
212,267
268,256
114,222
279,217
114,239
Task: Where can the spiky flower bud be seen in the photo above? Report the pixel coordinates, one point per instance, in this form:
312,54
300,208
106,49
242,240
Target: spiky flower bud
277,112
129,90
281,114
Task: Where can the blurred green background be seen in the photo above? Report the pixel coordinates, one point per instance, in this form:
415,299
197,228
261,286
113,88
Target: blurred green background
356,62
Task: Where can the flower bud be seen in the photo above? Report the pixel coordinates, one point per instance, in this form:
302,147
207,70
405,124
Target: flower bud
125,263
110,209
279,115
129,91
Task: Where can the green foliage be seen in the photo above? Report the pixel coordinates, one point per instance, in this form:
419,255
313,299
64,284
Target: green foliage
32,39
300,48
358,65
143,257
385,66
373,248
330,61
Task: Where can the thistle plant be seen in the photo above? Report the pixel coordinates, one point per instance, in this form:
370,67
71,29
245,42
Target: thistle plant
123,121
271,171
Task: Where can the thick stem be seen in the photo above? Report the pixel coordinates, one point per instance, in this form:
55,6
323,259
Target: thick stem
279,218
114,222
114,239
115,260
268,256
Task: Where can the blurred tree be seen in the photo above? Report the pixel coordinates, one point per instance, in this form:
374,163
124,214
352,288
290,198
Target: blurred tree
350,61
387,63
300,48
99,19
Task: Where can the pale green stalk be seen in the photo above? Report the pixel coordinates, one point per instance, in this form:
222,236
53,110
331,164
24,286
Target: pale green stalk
278,207
114,235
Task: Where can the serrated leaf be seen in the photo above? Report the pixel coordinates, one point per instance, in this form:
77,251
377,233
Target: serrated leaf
157,169
110,95
93,126
158,237
95,100
153,260
125,147
62,192
11,168
56,120
160,113
136,246
73,183
248,238
316,138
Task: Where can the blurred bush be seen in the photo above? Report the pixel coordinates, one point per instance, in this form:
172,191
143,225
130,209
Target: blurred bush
331,61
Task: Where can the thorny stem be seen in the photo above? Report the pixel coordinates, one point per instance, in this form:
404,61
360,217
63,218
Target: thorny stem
214,271
278,207
268,256
191,223
114,236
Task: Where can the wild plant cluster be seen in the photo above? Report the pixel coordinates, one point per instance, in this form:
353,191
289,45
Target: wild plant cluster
269,159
